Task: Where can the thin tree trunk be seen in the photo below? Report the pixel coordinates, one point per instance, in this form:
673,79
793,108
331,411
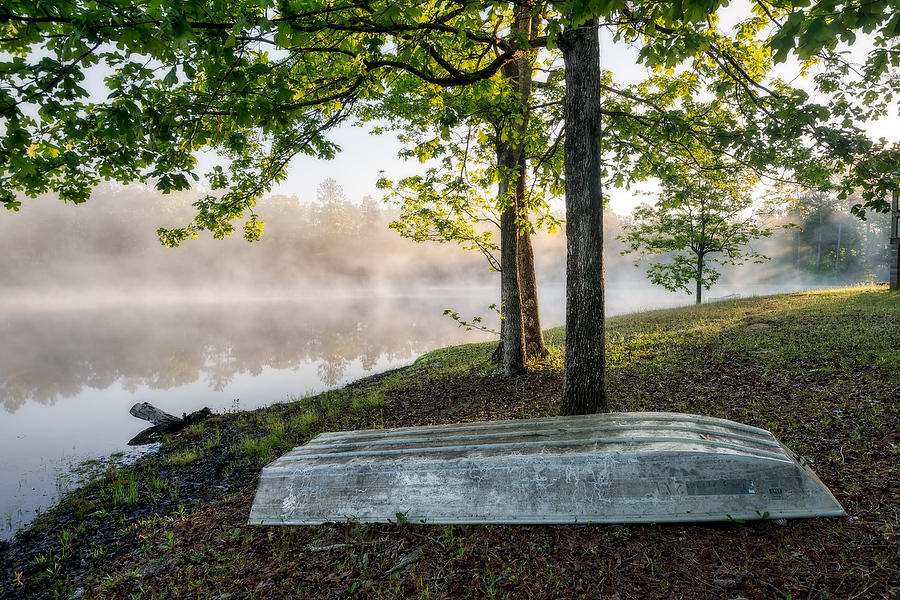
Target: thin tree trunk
867,247
497,356
533,335
894,251
868,243
819,251
521,335
699,277
510,146
584,379
531,317
837,255
511,306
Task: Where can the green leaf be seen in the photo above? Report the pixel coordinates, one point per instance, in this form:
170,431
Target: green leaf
181,31
171,77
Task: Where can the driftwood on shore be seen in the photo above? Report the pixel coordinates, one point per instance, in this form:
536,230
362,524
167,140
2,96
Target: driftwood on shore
162,421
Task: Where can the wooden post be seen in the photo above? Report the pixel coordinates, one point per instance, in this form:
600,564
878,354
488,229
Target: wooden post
895,244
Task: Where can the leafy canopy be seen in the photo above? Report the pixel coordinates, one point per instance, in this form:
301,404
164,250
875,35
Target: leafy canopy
259,81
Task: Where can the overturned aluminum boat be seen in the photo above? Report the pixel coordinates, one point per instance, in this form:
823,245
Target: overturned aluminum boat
609,468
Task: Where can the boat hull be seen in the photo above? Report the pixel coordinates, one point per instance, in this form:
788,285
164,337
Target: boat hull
611,468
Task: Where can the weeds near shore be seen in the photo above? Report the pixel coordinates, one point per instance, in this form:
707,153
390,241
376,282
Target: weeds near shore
183,457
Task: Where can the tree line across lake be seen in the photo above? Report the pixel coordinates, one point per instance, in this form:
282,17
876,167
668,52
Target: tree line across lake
337,244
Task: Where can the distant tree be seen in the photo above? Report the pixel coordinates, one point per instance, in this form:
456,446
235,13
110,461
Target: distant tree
834,245
336,215
810,213
330,191
700,219
371,215
876,253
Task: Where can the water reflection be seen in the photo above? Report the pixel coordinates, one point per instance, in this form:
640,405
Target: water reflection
47,355
69,376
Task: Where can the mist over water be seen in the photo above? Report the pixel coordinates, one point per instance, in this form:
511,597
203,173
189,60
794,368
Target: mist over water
69,376
95,315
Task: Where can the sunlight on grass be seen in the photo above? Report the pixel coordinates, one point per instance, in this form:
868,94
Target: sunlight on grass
182,457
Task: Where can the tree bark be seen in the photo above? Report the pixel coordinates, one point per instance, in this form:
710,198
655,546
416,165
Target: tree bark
163,422
148,412
521,337
497,356
513,338
531,318
584,378
511,306
699,277
533,335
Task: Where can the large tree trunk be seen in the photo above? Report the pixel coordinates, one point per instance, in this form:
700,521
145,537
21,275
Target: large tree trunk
584,379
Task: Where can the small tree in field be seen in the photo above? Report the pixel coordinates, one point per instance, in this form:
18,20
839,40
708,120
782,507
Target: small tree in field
703,217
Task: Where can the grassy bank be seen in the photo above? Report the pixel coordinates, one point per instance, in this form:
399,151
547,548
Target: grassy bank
821,370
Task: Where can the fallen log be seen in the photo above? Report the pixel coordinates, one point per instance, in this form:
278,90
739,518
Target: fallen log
148,412
162,421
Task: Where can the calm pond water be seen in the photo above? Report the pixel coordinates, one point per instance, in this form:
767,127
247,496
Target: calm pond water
69,374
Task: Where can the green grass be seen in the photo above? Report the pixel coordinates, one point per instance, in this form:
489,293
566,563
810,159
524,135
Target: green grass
361,403
182,457
195,431
260,449
301,423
